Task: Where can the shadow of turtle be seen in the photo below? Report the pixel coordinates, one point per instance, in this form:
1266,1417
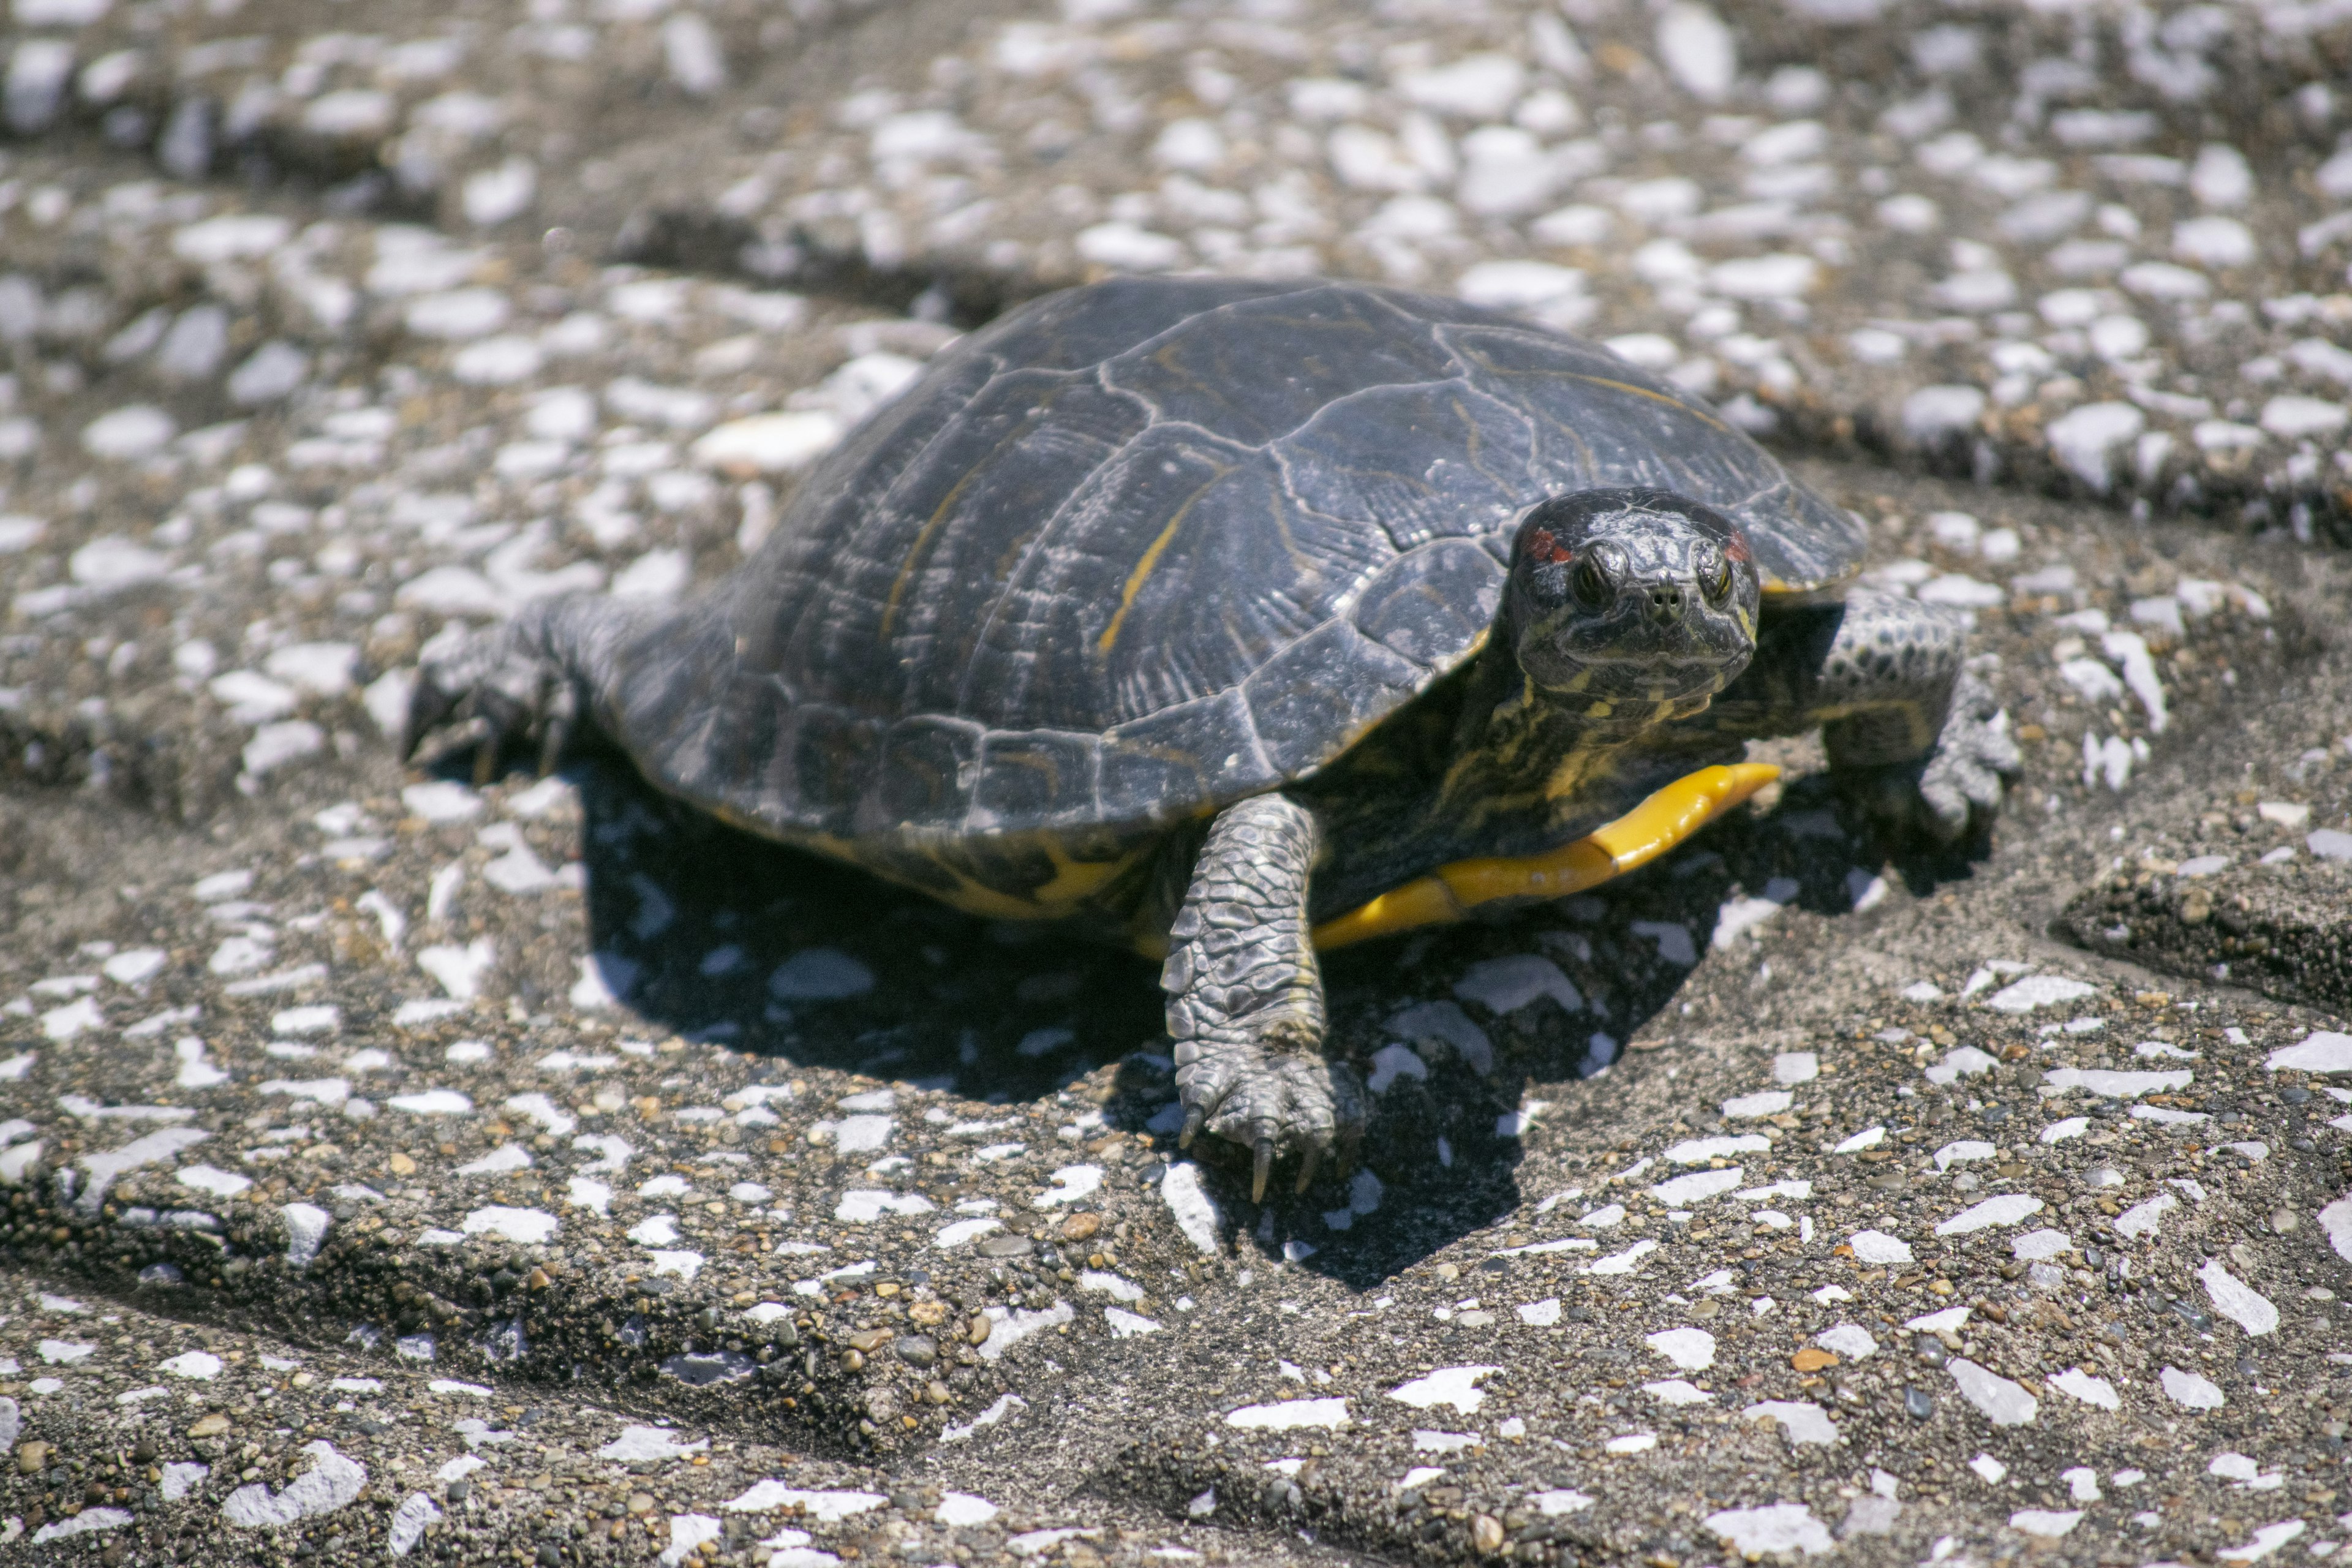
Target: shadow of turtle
704,931
718,935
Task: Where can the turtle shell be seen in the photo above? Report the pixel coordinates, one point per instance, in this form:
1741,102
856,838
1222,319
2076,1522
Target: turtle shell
1143,548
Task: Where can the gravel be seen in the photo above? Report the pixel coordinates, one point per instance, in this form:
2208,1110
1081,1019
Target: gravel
532,1168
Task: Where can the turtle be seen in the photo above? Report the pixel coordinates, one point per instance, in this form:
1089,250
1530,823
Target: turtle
1238,619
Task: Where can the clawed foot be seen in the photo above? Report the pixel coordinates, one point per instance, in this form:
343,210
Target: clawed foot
491,692
1273,1097
1959,784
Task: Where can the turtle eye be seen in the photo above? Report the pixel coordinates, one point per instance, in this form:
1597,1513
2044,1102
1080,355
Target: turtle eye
1714,576
1592,582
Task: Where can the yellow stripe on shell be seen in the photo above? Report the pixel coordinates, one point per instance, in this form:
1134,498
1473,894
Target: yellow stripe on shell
1666,819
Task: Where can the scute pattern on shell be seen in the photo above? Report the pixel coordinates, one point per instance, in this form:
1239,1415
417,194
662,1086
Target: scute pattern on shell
1143,549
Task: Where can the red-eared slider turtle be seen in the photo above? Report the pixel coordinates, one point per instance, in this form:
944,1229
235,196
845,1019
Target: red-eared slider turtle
1242,617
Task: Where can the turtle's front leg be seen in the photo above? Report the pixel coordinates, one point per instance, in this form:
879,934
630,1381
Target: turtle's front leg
1914,732
1245,997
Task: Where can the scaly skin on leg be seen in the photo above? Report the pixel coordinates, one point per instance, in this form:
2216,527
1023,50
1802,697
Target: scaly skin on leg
1246,996
1916,734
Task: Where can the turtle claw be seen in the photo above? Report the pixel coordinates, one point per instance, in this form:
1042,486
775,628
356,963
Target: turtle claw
429,749
487,692
1955,789
562,717
1273,1101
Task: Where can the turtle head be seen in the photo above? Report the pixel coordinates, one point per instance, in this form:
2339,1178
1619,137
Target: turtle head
1631,604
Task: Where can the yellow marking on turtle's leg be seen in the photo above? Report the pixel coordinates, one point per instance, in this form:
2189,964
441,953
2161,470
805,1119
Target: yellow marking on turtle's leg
1667,818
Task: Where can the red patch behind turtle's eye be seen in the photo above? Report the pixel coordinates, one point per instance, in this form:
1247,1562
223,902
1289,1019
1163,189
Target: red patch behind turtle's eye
1737,548
1546,550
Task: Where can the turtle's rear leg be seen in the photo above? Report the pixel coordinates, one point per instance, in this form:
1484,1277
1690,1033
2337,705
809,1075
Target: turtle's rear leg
1245,997
491,692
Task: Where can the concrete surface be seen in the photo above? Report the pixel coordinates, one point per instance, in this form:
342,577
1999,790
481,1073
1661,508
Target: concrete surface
562,1114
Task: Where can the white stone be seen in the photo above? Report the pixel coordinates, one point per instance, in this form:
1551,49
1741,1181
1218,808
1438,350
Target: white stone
1781,276
1764,1102
2007,1208
500,360
2076,1384
1804,1422
1699,1185
771,442
1878,1249
1455,1387
231,237
1290,1416
458,315
271,373
441,802
1783,1526
2236,1300
1439,1021
2081,439
691,50
1625,1262
2141,1218
459,969
2190,1390
1072,1183
1962,590
491,197
1930,414
350,114
89,1520
2047,1523
528,1226
1851,1341
1520,285
1480,87
432,1102
1677,1391
1723,1146
274,746
829,1507
201,1365
1507,985
330,1483
1692,1350
306,1231
820,975
2112,1084
1697,50
498,1161
408,1523
1131,247
1196,1212
2039,1246
2004,1403
2039,991
642,1445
